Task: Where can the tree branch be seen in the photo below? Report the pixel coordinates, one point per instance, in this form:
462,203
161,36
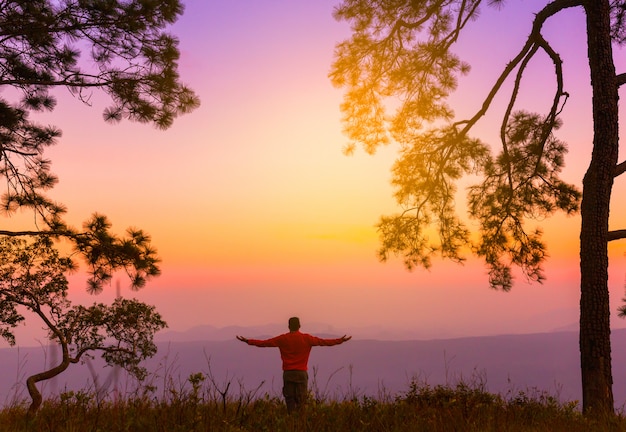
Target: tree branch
63,82
616,235
619,169
38,233
535,36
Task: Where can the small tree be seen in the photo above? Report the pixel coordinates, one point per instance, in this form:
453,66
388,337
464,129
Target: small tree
131,57
402,50
32,279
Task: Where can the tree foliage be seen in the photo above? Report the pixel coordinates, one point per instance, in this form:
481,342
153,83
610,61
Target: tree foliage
120,47
401,50
33,279
130,56
398,70
106,252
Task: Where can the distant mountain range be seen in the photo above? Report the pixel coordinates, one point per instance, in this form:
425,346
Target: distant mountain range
208,332
505,364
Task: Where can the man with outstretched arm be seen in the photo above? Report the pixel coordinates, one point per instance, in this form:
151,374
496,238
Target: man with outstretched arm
295,348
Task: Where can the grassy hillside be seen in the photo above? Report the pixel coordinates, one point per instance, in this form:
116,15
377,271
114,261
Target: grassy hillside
202,405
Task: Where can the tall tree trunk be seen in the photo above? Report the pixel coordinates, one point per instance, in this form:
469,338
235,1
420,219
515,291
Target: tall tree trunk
595,331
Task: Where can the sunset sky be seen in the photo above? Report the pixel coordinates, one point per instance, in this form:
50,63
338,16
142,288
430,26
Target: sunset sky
258,215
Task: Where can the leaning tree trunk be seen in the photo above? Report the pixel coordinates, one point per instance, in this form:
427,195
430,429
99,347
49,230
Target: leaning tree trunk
595,331
31,382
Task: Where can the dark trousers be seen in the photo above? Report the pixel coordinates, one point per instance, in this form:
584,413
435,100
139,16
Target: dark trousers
295,388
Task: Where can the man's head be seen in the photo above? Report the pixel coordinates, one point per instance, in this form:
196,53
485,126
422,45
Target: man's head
294,323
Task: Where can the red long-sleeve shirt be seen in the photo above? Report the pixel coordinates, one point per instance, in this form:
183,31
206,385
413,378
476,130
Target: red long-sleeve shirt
295,347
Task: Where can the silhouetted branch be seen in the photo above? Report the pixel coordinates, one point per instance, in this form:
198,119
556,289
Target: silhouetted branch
37,233
616,235
620,169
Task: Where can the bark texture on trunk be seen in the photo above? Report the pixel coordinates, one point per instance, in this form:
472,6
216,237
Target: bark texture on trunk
595,331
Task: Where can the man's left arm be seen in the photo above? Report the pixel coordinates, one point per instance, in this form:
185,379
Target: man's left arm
272,343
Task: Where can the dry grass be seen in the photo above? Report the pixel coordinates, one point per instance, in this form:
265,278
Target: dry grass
200,404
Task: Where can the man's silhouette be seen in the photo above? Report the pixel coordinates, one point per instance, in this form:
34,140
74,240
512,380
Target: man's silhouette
295,348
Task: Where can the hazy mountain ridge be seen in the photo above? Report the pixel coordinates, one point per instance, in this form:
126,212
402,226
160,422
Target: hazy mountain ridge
212,333
507,363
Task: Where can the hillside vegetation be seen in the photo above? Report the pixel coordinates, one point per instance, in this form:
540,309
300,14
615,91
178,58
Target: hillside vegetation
201,405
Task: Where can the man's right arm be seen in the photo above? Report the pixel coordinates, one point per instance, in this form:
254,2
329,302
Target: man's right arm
316,341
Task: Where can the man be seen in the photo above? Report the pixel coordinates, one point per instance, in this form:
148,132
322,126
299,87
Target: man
295,348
